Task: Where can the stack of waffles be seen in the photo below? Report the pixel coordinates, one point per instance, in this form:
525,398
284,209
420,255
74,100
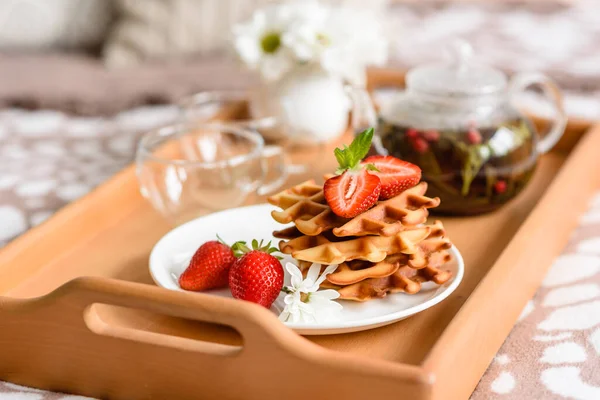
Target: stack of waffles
386,249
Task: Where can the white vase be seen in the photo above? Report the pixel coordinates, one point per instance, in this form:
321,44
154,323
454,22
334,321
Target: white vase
309,105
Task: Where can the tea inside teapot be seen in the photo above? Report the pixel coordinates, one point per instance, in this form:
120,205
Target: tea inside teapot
472,170
457,122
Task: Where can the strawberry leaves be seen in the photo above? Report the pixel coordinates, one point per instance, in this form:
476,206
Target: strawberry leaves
220,240
240,248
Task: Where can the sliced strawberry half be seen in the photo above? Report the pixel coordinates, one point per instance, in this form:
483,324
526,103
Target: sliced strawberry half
352,193
354,190
396,175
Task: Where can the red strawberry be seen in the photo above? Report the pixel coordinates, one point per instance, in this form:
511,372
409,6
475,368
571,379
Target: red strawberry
209,267
256,276
354,190
352,193
396,175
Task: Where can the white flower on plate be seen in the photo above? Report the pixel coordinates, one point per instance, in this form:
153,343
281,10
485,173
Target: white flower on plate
304,301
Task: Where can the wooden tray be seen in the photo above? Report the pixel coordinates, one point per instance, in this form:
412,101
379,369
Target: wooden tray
79,312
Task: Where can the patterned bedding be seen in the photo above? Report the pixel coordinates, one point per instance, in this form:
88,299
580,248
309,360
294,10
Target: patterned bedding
48,159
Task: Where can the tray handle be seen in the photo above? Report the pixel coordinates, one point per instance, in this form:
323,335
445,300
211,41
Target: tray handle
71,357
254,323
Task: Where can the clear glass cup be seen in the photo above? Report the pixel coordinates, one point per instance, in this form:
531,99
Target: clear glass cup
187,170
232,107
227,106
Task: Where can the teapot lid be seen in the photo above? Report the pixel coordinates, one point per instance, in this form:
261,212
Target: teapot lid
457,77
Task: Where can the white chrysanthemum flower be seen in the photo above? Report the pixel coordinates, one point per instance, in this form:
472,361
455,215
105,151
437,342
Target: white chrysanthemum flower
258,41
304,301
304,35
354,40
343,40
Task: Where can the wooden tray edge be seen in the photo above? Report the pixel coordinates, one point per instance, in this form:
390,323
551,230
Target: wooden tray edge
423,376
267,343
513,273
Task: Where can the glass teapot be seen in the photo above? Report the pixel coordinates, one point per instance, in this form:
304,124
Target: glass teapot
457,122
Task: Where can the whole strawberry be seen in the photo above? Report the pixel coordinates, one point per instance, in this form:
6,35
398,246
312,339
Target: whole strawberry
208,268
256,276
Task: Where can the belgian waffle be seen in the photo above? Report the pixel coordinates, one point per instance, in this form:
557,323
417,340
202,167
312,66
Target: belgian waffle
305,205
389,217
386,249
433,244
405,279
358,270
323,250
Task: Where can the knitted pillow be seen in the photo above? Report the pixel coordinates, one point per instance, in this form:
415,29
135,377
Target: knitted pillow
49,24
172,28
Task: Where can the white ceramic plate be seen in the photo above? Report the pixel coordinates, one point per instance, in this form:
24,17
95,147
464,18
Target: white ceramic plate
172,253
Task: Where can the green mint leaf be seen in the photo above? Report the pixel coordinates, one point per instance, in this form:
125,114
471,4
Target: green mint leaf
351,156
340,156
360,146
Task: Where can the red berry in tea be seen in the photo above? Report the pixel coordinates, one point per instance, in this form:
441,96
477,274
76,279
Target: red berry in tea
420,145
500,187
412,133
431,135
473,136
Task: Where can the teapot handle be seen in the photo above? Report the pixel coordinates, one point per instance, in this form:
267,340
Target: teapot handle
364,115
521,82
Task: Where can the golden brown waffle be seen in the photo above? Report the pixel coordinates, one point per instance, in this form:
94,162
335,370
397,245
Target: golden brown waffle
325,247
433,244
405,279
287,233
305,205
358,270
389,217
303,242
322,250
